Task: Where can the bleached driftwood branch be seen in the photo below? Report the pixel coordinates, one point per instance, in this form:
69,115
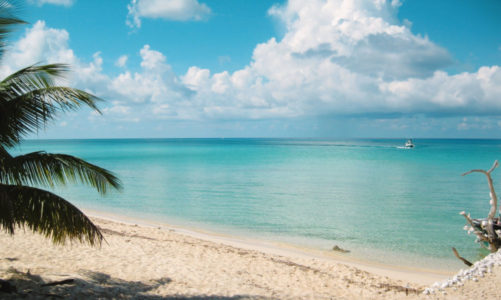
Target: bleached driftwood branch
494,198
464,260
481,236
488,225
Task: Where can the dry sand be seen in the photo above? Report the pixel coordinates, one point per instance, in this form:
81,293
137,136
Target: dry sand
155,263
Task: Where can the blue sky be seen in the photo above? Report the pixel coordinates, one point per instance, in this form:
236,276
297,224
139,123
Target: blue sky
237,68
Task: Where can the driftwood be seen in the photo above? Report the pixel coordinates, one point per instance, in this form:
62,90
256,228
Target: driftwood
487,230
466,262
480,234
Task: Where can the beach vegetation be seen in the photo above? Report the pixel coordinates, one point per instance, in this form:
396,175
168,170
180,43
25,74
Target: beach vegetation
29,100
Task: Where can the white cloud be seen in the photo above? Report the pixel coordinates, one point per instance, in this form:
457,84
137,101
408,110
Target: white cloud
465,93
396,3
39,44
176,10
333,59
121,61
54,2
476,123
341,57
153,60
117,108
156,83
345,57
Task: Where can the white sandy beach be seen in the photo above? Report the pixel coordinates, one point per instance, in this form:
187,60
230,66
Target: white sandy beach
158,262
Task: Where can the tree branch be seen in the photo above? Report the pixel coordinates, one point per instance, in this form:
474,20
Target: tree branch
465,261
480,235
489,227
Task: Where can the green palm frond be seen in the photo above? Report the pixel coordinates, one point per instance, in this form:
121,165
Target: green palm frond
33,77
6,213
45,213
29,99
47,169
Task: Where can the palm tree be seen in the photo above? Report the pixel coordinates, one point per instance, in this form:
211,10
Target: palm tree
29,99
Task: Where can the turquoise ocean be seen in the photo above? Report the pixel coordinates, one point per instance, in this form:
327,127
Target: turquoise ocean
384,203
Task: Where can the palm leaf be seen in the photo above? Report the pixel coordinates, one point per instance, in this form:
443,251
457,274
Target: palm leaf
35,76
29,99
6,213
45,213
47,169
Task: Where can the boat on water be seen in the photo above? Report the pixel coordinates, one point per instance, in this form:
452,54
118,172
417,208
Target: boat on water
409,144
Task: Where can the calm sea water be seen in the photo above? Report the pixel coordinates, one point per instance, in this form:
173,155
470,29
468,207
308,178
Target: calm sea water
369,196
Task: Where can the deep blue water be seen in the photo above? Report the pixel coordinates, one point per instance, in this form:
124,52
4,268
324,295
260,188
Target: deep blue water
369,196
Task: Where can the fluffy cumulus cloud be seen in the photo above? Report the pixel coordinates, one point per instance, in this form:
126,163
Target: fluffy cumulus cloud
344,57
337,57
155,84
41,44
152,90
177,10
55,2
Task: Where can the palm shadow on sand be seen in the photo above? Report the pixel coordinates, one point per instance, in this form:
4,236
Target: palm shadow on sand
95,285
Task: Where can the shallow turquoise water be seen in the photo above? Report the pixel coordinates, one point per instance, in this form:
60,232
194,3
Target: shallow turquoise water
365,195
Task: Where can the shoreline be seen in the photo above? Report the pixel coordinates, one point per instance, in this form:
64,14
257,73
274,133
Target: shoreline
422,276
